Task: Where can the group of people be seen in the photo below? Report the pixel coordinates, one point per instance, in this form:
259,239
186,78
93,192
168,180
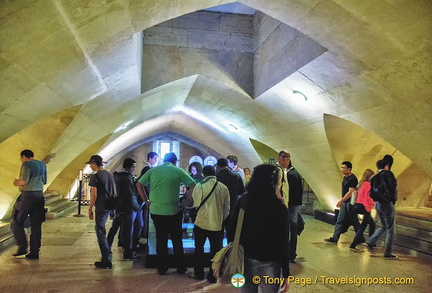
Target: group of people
267,210
374,189
271,197
273,191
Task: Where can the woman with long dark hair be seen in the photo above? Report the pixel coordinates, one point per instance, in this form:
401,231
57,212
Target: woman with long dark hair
195,171
264,235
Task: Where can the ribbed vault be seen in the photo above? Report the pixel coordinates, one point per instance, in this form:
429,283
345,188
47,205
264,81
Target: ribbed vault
367,62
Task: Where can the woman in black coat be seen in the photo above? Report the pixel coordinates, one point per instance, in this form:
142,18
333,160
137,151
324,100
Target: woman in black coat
264,235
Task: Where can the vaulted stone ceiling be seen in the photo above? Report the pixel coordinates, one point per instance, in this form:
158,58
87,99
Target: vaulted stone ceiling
73,72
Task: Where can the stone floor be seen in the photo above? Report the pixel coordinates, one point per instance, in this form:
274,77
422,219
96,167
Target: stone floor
70,249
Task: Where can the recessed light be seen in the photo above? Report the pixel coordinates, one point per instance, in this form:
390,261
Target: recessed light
123,126
300,94
232,127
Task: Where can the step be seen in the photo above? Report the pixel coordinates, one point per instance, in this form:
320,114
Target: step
414,229
6,235
49,200
412,232
413,243
58,205
412,222
51,192
61,210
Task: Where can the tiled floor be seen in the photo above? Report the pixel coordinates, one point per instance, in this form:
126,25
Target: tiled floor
70,249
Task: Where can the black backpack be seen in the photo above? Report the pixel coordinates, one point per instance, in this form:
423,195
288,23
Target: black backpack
379,191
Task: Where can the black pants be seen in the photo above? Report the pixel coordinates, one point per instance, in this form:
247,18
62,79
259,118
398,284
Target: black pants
115,226
29,203
215,238
367,219
169,226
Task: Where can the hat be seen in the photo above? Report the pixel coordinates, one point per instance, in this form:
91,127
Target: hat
95,159
170,157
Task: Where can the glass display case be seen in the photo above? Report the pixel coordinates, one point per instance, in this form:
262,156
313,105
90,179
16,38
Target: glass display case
188,243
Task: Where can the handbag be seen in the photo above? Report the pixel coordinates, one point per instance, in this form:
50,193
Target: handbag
353,198
193,212
230,259
112,200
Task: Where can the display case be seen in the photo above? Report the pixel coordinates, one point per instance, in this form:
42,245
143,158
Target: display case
188,243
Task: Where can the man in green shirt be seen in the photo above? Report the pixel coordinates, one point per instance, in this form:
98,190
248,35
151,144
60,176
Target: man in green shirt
164,182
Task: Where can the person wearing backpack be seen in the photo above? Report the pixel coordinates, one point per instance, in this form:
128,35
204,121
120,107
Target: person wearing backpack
384,192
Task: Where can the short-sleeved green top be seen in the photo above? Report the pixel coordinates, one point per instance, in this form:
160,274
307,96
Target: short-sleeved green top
165,183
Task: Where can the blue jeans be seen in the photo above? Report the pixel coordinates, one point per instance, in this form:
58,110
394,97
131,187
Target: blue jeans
253,267
340,222
127,230
294,212
137,229
386,213
100,222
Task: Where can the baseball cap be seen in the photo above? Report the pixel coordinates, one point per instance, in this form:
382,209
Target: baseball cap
95,159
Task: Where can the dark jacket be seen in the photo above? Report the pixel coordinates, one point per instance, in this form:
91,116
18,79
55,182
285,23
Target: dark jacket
295,187
264,233
234,183
126,192
384,187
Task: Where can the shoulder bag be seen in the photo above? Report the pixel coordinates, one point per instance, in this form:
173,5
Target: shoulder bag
193,212
112,200
230,259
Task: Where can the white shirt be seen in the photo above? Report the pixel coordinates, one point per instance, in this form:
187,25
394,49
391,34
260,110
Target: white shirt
211,215
283,177
240,171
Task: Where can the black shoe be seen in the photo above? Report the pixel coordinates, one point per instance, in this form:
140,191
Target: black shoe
331,239
292,260
162,271
20,253
370,246
211,279
103,264
182,270
32,255
130,256
390,257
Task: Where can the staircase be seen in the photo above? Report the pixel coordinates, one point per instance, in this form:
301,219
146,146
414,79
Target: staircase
414,228
429,202
6,236
55,206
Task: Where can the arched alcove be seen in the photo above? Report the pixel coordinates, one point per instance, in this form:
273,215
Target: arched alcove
363,148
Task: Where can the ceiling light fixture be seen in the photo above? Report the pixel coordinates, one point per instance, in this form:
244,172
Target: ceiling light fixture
232,127
123,126
300,94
